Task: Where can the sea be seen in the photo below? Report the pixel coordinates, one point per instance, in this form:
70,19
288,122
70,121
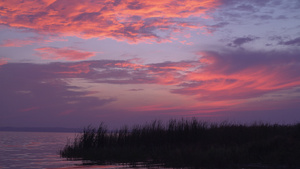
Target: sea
40,150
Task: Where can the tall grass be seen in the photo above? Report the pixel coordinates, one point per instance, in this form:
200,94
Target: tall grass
190,143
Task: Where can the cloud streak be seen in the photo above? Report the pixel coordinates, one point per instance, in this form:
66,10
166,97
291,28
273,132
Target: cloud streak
28,41
63,54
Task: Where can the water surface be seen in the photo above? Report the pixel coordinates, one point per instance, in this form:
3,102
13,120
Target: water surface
38,150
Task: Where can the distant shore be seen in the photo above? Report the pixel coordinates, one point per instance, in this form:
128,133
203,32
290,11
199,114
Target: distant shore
190,144
41,129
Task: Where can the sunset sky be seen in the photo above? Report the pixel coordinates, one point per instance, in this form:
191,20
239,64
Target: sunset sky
71,63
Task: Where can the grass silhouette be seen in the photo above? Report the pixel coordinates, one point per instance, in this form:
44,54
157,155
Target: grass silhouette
191,144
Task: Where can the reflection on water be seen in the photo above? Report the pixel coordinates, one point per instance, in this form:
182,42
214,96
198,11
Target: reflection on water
38,150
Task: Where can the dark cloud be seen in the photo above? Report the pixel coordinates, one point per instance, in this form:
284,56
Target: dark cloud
135,90
93,17
238,2
230,62
215,27
263,17
246,8
135,5
254,12
242,40
293,42
282,17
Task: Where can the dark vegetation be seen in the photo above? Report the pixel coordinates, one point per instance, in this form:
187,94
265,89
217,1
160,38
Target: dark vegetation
191,144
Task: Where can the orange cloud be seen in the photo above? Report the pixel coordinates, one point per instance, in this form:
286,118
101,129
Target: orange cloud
130,20
63,53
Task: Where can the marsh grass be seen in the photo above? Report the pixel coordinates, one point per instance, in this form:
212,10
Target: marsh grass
191,144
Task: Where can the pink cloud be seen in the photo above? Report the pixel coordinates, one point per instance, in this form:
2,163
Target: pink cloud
63,53
29,109
129,20
27,41
184,42
76,69
66,112
241,75
3,61
15,43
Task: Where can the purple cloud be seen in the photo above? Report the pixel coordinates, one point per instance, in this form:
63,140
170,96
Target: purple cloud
33,90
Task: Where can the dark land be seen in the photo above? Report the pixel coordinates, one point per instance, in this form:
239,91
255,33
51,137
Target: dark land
190,144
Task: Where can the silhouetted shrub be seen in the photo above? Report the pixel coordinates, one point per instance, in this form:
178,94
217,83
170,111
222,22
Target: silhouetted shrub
190,143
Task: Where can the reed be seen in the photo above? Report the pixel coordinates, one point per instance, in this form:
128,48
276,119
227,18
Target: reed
191,144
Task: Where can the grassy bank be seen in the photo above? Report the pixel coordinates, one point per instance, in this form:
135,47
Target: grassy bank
192,144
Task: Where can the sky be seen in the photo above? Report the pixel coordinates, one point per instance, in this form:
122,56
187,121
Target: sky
73,63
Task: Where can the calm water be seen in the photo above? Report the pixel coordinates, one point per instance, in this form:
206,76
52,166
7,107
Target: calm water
37,150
